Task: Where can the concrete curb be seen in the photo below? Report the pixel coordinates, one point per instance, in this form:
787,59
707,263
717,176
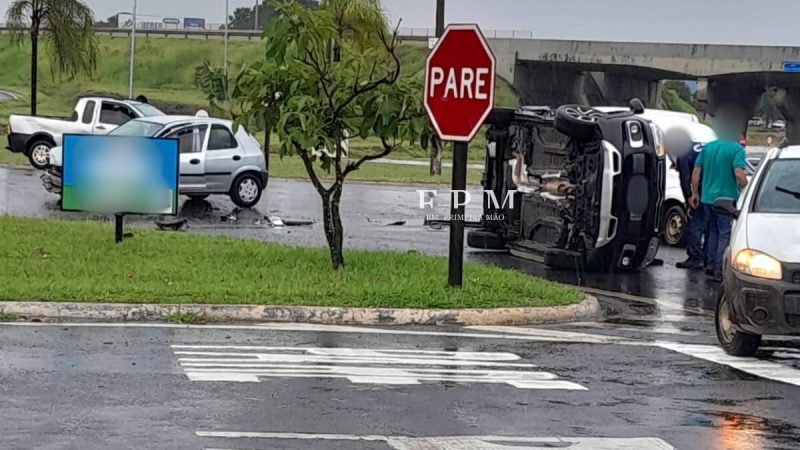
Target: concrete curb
588,309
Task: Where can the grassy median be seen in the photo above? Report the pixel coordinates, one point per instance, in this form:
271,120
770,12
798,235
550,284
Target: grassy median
79,261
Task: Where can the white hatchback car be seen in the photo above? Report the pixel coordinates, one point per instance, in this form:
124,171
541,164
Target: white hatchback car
213,158
761,287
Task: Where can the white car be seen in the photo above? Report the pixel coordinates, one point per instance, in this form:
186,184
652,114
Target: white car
761,266
214,159
34,136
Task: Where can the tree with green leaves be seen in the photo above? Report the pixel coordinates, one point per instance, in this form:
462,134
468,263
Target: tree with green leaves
331,74
111,22
242,19
67,27
227,97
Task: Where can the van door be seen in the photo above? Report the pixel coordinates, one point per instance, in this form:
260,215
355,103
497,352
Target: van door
191,141
223,157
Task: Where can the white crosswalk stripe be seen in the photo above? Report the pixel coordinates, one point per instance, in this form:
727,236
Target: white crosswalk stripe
459,442
754,366
384,366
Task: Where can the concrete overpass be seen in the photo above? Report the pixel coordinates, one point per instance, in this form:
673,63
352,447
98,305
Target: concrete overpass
731,78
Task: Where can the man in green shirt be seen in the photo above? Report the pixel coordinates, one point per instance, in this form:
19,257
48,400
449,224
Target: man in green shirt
721,167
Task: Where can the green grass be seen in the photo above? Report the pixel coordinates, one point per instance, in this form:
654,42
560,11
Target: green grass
78,261
7,317
164,73
292,167
673,102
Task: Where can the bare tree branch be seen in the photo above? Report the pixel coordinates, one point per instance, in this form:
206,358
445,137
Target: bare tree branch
353,166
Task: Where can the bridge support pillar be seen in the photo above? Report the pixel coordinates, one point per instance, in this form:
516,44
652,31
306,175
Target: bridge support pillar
549,85
788,102
618,90
734,100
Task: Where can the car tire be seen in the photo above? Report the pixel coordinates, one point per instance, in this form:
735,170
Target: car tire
577,122
246,190
674,227
198,197
39,153
733,341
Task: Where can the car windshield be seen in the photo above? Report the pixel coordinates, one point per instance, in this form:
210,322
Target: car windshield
138,128
779,192
147,110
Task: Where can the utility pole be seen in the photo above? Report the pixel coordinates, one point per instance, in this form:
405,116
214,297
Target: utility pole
255,20
439,18
436,144
227,6
133,51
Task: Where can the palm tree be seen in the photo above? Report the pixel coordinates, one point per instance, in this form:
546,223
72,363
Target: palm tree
67,27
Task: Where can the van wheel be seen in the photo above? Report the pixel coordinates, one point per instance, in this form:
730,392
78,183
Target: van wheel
733,341
675,227
577,122
39,154
246,190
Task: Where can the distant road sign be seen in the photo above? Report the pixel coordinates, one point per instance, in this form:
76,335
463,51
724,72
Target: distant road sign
791,67
192,22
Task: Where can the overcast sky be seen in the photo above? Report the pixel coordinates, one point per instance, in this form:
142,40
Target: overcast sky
765,22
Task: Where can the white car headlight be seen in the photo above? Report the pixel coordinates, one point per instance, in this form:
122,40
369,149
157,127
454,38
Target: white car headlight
757,264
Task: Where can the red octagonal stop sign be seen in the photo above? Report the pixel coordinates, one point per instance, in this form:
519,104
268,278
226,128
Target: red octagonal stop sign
459,83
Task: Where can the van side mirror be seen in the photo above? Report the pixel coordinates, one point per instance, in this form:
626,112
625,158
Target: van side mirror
636,105
726,207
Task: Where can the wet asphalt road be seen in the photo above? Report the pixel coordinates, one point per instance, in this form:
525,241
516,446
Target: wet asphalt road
71,386
649,371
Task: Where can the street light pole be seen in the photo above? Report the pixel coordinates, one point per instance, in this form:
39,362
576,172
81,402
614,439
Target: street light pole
255,21
133,51
226,37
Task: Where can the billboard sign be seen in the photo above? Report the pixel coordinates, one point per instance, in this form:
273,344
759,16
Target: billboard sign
120,174
194,22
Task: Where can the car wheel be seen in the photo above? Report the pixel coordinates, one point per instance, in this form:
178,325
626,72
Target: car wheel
577,122
675,226
198,197
39,154
246,190
733,341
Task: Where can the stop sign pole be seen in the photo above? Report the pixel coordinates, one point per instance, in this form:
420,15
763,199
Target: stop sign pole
459,94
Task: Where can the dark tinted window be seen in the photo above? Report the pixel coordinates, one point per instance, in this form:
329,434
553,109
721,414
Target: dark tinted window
190,139
115,113
221,138
779,192
88,112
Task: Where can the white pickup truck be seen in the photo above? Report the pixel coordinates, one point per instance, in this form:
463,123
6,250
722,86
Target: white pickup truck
34,136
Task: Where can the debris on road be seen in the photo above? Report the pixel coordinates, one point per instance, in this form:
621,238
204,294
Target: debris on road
173,225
